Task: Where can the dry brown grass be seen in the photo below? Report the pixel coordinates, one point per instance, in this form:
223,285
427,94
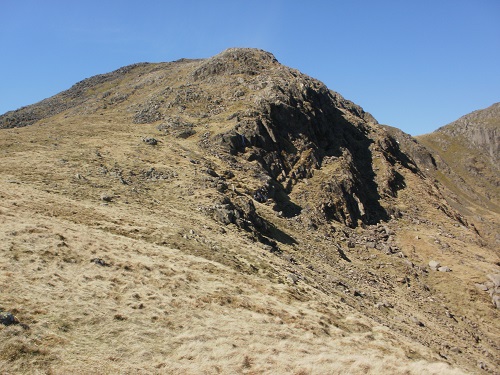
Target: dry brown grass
159,310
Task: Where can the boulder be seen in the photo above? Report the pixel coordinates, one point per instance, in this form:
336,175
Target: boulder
7,318
444,269
434,265
150,141
106,197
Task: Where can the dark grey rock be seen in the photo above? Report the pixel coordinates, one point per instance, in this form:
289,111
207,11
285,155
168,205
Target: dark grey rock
7,319
150,141
106,197
100,262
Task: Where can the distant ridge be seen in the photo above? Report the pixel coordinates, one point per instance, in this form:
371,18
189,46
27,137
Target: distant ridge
481,128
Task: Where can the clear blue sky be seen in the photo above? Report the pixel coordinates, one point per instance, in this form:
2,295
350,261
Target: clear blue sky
415,64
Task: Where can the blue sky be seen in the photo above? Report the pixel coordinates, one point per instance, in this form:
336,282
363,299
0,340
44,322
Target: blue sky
415,65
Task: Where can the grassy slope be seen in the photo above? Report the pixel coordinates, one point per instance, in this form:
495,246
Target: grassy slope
471,178
156,308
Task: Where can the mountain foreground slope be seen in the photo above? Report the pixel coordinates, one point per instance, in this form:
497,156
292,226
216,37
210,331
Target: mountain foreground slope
233,215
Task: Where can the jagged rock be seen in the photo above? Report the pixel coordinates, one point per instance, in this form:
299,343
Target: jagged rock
154,174
418,153
224,214
242,213
485,137
235,61
290,139
148,114
177,127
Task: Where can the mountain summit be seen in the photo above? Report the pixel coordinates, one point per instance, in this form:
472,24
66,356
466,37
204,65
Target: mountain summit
233,215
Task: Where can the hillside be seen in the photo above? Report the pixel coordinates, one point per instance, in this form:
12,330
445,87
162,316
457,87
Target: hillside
232,215
468,157
480,129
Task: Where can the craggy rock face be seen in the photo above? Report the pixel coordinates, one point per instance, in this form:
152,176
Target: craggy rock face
297,126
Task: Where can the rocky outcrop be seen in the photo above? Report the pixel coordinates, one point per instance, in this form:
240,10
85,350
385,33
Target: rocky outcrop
299,127
492,286
415,150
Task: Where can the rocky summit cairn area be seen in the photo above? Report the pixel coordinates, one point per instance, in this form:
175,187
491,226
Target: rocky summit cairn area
233,215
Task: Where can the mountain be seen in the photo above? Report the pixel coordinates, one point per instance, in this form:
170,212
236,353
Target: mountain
233,215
